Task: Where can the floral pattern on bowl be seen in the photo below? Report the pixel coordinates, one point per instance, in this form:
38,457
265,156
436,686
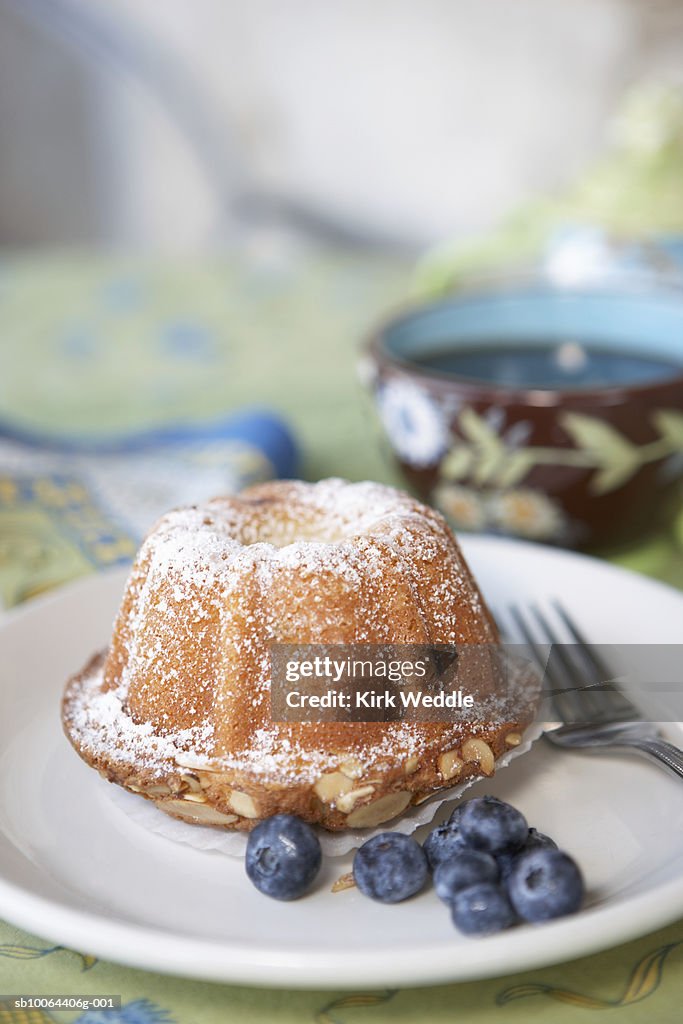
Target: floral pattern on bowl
520,511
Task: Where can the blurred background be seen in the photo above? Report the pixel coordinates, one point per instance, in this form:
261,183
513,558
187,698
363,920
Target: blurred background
174,124
205,206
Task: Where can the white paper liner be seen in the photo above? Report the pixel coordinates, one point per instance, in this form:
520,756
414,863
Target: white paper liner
334,844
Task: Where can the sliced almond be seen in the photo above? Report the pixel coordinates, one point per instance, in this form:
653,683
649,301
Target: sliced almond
411,765
513,739
346,881
450,764
422,798
479,751
195,798
192,782
158,789
352,768
200,814
380,810
198,764
348,801
243,804
331,786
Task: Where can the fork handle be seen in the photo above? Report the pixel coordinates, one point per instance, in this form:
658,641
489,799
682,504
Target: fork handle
659,751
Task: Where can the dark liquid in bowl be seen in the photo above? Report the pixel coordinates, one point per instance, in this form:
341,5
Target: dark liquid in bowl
566,364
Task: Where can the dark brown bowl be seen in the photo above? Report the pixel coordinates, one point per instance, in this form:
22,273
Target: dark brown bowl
571,466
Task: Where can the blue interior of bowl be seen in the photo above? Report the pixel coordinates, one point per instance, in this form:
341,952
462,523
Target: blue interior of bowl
635,322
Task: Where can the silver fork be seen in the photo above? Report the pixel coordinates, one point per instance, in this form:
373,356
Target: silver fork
597,715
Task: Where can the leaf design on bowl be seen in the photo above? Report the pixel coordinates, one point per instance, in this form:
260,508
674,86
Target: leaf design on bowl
488,458
615,458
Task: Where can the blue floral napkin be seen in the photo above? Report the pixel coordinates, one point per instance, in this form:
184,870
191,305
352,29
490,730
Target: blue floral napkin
70,505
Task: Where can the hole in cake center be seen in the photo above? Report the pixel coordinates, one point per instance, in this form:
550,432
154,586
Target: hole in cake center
280,526
321,531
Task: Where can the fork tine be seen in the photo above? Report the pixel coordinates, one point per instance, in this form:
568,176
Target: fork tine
562,674
583,645
529,640
528,637
565,652
561,691
586,702
611,698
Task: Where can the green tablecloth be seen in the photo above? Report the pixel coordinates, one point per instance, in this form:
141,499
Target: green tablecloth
95,345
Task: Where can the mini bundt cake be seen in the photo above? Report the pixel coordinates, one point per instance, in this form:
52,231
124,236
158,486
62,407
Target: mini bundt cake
178,708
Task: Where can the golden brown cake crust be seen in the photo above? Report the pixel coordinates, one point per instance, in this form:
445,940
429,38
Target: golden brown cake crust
178,708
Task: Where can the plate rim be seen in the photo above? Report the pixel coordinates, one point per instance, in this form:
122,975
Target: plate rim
159,951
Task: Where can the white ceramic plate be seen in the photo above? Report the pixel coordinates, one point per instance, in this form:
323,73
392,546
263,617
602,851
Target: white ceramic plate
76,870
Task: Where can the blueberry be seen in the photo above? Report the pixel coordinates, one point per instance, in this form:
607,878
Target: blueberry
534,840
455,816
545,883
467,867
390,867
442,843
283,857
488,824
482,909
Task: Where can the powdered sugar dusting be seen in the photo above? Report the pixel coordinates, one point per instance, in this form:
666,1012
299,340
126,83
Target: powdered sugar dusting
99,723
188,673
